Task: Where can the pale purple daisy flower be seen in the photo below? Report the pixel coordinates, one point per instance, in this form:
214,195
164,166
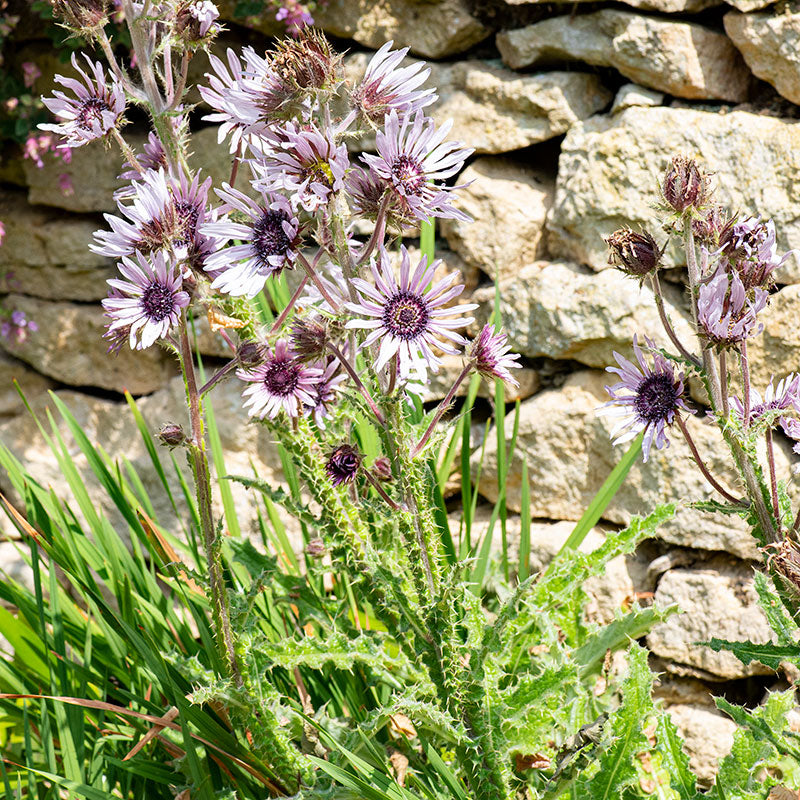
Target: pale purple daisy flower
234,108
96,109
726,312
163,213
308,165
412,156
325,390
778,397
489,353
409,316
148,304
387,86
751,250
280,383
791,427
196,20
269,241
647,398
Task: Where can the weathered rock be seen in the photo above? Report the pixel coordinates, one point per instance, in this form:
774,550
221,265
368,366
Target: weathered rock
680,58
31,383
569,454
69,348
707,735
665,6
246,447
496,110
631,95
769,43
432,30
718,600
46,254
439,383
563,311
749,5
508,203
610,168
214,159
776,351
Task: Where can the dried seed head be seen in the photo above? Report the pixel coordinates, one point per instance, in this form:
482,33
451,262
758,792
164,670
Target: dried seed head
309,338
713,227
686,186
636,254
308,63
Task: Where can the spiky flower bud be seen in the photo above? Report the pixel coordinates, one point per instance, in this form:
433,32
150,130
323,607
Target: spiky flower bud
309,338
713,227
382,469
343,464
171,435
315,548
308,63
250,354
636,254
82,16
686,186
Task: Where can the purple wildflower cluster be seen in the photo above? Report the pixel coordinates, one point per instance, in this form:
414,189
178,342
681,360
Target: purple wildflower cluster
732,265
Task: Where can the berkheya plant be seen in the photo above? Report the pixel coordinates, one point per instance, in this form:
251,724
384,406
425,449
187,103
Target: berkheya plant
523,700
731,267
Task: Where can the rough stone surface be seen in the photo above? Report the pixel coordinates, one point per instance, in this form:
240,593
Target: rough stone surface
718,600
69,348
111,425
707,735
46,254
439,383
777,350
665,6
632,94
432,30
496,110
569,455
610,167
508,204
30,382
564,311
680,58
749,5
769,44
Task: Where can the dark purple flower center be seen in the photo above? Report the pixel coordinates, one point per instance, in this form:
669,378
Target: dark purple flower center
656,397
158,302
405,315
91,113
408,174
343,464
186,215
282,376
269,237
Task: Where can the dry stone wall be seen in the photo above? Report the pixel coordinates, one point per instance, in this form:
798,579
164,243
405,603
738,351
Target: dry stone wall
573,112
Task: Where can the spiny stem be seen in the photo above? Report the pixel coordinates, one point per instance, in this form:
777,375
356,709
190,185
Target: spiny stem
181,85
235,166
289,306
699,461
127,151
745,386
673,337
773,479
723,379
378,231
350,369
443,406
381,491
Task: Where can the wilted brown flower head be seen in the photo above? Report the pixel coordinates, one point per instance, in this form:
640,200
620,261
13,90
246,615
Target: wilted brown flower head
171,435
686,186
309,337
634,253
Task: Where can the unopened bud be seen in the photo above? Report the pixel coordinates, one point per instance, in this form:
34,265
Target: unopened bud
82,15
309,338
714,227
686,186
171,435
382,469
315,548
343,464
634,253
250,354
308,63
